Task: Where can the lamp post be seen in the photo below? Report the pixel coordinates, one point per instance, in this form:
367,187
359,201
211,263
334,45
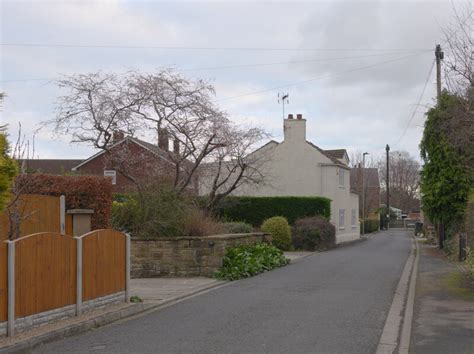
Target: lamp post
363,192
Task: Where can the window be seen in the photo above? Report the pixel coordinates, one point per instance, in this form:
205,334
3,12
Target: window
353,218
341,218
341,177
112,174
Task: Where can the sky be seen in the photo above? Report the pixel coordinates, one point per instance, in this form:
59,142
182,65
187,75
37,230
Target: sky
355,70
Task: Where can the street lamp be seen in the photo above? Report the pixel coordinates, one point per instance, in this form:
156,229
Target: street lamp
363,192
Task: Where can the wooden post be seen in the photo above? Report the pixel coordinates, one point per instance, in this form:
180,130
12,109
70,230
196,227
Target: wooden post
62,214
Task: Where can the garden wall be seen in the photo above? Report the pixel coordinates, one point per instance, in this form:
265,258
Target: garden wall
185,256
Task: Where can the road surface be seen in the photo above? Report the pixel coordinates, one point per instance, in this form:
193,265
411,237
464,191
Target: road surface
332,302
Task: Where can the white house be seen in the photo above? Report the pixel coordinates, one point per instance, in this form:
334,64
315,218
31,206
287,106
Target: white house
297,167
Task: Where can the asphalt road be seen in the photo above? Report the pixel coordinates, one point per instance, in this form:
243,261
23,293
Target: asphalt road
332,302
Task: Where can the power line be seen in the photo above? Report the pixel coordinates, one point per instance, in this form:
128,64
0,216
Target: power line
417,104
107,46
317,78
242,65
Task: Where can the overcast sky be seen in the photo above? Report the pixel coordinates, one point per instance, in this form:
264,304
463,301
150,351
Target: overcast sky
365,63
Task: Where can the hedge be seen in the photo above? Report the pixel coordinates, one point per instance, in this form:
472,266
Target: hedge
371,225
254,210
81,192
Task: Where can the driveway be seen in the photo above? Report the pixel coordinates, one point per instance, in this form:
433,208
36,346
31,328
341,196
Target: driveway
332,302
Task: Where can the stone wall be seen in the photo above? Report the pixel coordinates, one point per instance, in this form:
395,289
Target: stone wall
185,256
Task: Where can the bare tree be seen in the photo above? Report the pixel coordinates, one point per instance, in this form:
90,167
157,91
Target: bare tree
458,127
234,164
404,180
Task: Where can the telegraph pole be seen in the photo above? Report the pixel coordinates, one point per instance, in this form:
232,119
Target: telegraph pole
439,55
387,149
363,192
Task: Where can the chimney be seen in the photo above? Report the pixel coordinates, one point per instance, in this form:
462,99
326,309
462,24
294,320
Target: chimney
294,129
117,135
176,146
163,139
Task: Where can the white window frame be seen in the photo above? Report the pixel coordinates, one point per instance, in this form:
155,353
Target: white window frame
342,217
112,174
353,219
341,178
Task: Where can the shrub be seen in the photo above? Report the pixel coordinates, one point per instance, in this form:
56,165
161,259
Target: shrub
153,213
81,192
278,227
254,210
370,225
470,262
248,260
237,227
196,223
315,233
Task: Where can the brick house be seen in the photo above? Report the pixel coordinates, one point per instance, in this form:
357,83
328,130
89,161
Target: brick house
127,161
372,189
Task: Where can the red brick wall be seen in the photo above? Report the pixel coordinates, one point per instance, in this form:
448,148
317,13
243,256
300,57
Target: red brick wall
130,158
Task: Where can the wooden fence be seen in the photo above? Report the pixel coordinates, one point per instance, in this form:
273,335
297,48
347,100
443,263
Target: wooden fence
41,213
51,271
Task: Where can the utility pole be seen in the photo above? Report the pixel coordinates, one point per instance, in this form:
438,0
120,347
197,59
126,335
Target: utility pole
387,187
363,192
439,55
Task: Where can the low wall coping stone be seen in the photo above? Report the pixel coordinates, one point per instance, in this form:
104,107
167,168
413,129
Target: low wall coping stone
203,238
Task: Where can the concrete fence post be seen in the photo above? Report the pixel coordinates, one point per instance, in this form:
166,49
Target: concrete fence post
62,214
127,267
78,276
11,289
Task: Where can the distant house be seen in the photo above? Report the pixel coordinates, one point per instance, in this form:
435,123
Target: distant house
297,167
128,160
369,178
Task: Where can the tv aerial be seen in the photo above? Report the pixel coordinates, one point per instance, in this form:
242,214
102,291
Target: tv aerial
283,98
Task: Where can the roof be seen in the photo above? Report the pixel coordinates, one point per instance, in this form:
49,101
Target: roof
148,146
337,154
371,177
329,156
49,166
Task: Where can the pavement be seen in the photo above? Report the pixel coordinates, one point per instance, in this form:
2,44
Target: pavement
444,306
330,302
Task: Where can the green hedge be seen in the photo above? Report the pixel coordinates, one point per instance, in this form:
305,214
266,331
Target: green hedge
254,210
371,225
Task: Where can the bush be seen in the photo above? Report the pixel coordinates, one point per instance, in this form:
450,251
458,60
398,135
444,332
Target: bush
248,260
254,210
370,225
81,192
196,223
154,213
237,227
312,234
278,227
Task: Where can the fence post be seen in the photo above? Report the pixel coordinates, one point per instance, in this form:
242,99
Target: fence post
11,289
127,267
78,276
62,214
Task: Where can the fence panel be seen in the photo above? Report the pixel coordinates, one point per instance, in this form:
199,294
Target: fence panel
104,262
45,273
3,281
41,213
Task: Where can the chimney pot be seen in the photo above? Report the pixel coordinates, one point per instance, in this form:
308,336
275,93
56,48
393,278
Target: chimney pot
299,116
290,116
117,135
